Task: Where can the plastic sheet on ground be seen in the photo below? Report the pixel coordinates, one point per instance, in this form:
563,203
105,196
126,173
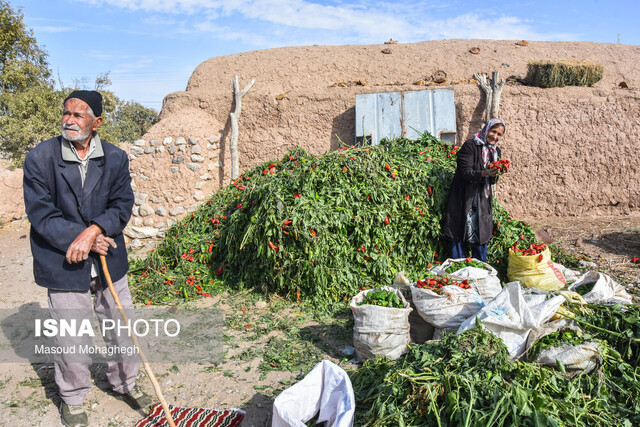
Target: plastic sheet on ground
574,358
513,314
326,391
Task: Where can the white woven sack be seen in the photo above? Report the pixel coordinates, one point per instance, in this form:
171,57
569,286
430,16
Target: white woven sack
584,357
484,280
605,290
326,391
449,310
512,314
575,358
380,331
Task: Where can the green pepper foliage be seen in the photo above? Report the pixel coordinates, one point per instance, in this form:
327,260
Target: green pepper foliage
468,380
383,298
318,228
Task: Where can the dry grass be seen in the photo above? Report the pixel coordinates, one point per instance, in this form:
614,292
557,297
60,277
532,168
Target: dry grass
572,72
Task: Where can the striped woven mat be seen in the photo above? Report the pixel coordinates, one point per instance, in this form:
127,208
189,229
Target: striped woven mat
192,417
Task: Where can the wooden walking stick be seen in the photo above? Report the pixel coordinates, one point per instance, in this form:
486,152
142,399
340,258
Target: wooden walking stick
143,358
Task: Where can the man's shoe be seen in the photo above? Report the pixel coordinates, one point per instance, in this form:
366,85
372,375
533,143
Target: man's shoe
138,399
73,415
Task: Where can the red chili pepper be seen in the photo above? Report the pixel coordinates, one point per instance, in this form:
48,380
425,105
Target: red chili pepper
272,165
274,247
297,195
430,190
387,167
386,220
393,175
313,233
149,302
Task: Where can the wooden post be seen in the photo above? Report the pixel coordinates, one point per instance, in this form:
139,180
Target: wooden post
486,87
235,115
497,86
493,90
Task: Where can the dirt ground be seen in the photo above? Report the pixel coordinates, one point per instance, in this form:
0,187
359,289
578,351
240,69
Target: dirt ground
28,394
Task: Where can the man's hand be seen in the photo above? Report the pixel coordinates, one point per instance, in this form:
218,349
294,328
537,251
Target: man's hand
102,243
79,249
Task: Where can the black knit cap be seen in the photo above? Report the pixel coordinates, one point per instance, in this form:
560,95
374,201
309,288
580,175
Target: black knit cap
91,97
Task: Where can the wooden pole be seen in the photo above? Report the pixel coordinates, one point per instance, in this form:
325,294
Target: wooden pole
488,91
235,115
134,338
496,85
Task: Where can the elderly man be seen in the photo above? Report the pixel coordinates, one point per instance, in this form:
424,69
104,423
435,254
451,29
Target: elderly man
78,197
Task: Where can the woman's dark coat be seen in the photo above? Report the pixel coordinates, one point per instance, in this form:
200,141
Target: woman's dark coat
467,182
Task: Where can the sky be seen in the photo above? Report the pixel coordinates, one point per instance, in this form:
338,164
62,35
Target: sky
151,47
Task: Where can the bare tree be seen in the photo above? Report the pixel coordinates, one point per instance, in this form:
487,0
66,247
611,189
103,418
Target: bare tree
235,115
493,90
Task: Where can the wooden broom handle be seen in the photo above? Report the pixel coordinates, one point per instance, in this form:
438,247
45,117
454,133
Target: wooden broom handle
134,338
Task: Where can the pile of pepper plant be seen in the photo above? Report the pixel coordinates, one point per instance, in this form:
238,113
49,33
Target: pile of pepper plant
317,228
469,380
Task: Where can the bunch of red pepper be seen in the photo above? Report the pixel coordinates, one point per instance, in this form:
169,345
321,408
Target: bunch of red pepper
435,284
533,249
502,165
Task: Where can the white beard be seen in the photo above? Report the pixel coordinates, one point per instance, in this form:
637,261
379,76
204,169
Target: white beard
80,137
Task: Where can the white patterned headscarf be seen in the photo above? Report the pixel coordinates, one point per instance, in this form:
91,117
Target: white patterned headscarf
489,152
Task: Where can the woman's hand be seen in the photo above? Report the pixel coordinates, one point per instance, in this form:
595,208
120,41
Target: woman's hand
491,173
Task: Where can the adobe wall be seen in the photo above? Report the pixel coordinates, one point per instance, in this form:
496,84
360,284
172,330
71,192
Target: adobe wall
572,148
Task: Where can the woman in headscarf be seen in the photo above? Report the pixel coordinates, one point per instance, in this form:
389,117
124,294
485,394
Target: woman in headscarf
468,221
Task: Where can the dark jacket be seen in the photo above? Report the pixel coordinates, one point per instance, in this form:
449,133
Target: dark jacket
60,208
467,182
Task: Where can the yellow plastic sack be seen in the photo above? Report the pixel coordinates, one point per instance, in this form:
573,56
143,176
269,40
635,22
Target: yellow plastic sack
535,271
